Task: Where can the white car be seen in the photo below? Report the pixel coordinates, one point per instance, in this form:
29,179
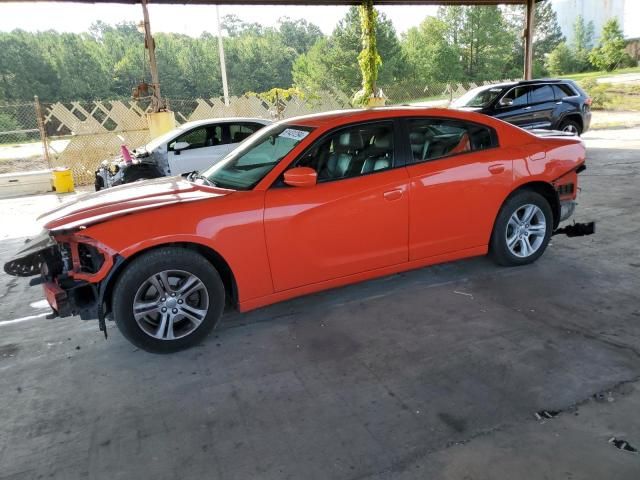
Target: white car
193,146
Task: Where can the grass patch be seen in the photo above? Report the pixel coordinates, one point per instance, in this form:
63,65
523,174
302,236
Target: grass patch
609,96
600,74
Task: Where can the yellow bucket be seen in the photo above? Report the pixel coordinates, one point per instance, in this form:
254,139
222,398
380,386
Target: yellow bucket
62,180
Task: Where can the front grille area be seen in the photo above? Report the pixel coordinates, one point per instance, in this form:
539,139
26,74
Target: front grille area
91,259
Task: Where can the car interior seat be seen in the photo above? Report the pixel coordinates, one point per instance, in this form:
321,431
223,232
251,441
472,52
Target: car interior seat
240,136
463,145
417,140
345,148
379,154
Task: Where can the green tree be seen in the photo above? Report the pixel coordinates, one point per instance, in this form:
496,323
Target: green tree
299,34
560,60
547,34
430,56
257,63
582,43
331,64
610,52
481,35
236,27
24,69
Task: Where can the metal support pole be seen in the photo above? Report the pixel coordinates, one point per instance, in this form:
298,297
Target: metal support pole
156,99
43,132
223,66
528,39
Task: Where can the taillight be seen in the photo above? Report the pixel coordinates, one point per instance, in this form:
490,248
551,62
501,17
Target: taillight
588,101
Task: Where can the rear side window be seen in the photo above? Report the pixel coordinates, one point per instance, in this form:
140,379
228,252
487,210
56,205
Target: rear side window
541,93
433,138
239,131
560,91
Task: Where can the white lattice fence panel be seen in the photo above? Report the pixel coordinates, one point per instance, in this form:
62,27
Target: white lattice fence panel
84,153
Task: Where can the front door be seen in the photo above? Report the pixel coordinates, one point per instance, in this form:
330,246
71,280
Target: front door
205,146
514,107
355,218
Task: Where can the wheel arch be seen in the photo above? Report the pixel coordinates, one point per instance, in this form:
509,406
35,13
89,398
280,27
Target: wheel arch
543,188
211,255
574,117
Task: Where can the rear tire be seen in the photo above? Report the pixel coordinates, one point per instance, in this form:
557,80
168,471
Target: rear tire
571,126
522,229
168,300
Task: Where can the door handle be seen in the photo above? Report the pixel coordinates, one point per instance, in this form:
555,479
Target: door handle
496,169
393,195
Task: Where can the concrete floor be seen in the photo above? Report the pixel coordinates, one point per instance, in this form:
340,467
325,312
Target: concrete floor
431,374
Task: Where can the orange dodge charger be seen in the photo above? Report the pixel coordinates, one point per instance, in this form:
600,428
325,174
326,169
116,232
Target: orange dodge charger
306,204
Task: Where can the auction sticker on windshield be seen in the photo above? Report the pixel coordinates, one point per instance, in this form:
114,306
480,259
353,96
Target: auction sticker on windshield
294,134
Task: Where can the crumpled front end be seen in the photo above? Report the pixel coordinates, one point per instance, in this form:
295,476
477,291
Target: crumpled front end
145,165
71,269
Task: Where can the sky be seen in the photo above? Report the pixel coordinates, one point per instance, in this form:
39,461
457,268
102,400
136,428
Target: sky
190,20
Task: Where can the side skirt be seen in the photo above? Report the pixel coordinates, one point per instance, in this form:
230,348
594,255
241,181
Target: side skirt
359,277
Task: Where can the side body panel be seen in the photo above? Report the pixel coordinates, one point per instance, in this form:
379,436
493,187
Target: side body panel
454,200
337,228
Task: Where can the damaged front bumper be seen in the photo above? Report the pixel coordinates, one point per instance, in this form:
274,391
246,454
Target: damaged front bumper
72,269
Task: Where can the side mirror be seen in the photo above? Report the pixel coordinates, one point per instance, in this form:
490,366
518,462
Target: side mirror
179,146
301,177
506,102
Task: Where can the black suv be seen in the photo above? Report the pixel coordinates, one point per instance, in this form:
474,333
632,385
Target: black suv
548,104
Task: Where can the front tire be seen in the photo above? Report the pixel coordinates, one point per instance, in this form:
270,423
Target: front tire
522,230
168,300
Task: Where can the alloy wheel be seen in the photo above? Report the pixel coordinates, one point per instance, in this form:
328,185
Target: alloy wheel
170,304
526,230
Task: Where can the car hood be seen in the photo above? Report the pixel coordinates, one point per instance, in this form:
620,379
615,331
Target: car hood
112,202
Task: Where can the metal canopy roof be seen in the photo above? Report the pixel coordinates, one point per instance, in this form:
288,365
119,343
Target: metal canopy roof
296,2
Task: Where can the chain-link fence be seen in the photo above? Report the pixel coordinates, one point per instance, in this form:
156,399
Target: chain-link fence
81,134
20,138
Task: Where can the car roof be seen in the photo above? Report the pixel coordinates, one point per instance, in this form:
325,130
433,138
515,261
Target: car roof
537,81
344,117
209,121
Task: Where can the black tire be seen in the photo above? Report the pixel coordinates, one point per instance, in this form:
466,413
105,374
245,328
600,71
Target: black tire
99,183
498,247
569,125
147,265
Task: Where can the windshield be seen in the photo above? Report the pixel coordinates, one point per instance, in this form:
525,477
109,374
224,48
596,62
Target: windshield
245,166
478,97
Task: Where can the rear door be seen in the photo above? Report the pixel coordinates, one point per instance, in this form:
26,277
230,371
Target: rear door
458,179
355,219
542,104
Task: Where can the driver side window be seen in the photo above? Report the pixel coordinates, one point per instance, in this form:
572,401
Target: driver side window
351,152
196,138
517,95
